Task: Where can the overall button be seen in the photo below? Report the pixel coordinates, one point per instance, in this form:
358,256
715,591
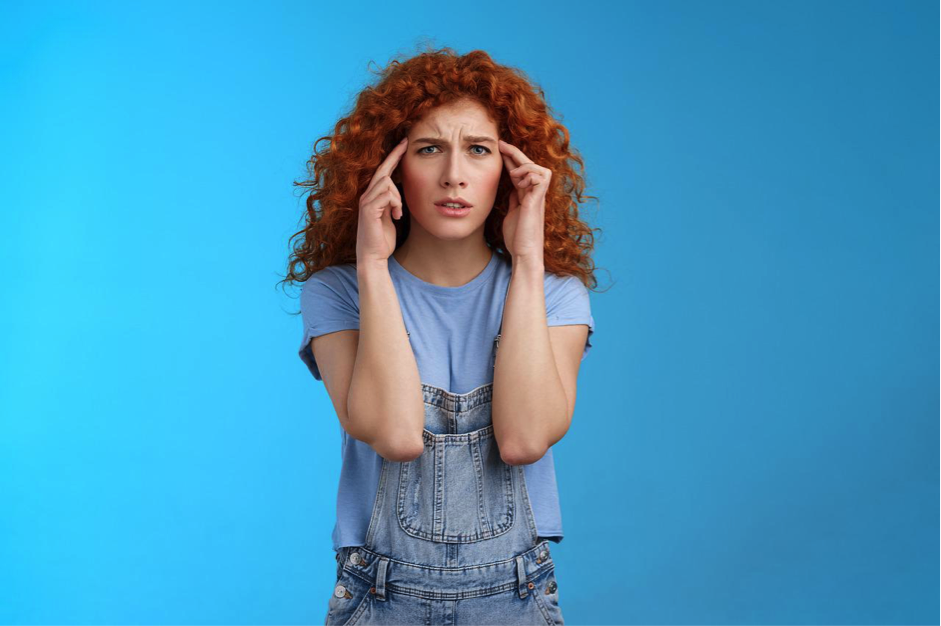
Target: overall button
340,591
552,586
543,555
355,558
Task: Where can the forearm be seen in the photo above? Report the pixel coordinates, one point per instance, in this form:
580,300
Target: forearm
385,403
529,402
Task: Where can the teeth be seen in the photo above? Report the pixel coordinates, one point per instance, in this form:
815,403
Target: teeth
453,205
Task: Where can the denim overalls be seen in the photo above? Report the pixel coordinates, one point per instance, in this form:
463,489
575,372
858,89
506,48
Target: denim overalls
452,537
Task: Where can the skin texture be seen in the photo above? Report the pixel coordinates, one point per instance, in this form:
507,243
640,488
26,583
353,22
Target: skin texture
371,373
444,250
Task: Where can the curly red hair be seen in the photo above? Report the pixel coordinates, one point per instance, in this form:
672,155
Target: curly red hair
384,113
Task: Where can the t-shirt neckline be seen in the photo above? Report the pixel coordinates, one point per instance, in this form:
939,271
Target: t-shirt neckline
483,277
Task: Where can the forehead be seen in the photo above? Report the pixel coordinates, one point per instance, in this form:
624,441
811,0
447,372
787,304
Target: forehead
463,116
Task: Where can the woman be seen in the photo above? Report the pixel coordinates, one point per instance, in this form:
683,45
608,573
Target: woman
446,311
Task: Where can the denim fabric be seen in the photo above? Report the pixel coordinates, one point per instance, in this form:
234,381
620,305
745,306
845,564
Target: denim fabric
452,538
453,334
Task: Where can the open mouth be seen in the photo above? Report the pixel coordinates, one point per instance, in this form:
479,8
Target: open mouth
456,203
453,210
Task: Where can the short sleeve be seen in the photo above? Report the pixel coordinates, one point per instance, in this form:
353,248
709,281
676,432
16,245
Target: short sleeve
568,302
328,304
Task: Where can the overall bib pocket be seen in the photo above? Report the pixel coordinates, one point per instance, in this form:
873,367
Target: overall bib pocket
458,491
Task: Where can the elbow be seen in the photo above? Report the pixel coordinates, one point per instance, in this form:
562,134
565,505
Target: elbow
395,446
391,442
400,452
521,454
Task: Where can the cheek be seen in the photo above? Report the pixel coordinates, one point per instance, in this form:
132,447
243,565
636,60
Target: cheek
491,177
416,181
496,173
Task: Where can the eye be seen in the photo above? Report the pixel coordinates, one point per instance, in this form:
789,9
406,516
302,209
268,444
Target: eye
486,150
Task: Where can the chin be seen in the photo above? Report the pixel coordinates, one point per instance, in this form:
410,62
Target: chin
449,227
452,233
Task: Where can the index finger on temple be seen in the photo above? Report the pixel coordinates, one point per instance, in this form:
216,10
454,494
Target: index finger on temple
389,164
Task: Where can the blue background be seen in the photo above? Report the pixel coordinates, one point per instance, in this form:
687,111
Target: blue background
756,429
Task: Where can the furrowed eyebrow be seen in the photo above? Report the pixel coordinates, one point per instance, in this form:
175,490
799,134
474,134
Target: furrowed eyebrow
445,142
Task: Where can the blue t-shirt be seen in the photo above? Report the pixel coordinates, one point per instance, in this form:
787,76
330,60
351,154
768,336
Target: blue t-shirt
451,332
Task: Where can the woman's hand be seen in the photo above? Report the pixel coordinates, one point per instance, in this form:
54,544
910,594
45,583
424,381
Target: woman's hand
375,233
525,222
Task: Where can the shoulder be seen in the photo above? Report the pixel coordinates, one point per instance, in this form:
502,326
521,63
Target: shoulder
334,280
568,303
565,290
334,275
558,282
330,296
329,303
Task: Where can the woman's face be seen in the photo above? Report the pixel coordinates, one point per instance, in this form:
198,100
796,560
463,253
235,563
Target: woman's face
452,153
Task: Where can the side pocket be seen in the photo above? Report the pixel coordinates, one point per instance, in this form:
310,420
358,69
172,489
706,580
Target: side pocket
547,594
349,595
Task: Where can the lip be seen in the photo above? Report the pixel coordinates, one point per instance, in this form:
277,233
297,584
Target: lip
449,212
466,204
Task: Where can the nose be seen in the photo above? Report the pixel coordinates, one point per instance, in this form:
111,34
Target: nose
452,175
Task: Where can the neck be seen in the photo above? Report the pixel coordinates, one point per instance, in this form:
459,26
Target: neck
444,263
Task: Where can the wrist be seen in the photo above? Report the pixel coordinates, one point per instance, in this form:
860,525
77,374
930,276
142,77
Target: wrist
528,265
369,267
